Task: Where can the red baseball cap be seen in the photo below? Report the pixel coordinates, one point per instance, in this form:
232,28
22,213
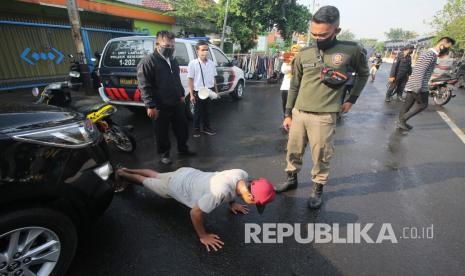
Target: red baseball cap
263,193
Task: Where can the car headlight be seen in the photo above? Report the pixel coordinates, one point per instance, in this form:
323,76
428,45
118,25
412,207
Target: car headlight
75,135
74,74
54,86
104,171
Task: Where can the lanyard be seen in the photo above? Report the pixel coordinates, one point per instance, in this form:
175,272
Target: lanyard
201,72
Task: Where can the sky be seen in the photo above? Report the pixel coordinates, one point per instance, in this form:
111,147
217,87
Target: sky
371,19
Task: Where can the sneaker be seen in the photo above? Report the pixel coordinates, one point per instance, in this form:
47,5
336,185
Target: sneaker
165,159
400,99
208,131
402,125
315,200
388,100
196,133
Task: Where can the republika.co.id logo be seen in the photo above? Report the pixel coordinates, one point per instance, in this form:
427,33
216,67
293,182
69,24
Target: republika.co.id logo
351,233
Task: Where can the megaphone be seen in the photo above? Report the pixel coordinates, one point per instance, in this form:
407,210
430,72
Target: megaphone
207,93
204,93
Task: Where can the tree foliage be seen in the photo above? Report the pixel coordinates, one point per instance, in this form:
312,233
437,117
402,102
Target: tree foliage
346,35
400,34
450,21
247,18
195,16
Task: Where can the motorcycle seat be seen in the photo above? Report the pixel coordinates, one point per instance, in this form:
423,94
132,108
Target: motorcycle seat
442,78
91,108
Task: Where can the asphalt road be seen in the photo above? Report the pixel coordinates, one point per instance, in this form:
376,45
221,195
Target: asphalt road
378,175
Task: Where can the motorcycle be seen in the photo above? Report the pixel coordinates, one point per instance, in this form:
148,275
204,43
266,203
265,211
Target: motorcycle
441,89
58,94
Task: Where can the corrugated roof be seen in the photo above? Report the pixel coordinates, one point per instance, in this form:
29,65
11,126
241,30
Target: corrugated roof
154,4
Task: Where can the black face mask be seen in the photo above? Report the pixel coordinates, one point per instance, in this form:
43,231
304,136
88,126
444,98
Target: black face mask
166,52
444,51
326,43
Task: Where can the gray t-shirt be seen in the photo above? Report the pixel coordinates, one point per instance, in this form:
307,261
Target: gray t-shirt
207,190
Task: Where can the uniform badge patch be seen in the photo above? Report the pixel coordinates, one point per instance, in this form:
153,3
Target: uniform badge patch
338,59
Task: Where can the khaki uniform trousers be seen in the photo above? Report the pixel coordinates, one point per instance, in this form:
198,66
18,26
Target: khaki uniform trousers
319,130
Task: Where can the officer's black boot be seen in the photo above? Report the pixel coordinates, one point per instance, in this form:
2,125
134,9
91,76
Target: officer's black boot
315,200
290,183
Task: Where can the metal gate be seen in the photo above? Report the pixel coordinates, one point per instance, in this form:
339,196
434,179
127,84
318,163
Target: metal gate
35,54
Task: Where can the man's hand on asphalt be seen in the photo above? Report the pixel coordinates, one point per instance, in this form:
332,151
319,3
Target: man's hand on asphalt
238,208
287,123
152,113
211,241
346,107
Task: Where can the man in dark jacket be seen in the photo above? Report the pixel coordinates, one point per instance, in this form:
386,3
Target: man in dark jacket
163,96
400,71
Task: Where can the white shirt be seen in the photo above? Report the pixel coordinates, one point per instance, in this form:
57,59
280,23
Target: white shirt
207,190
209,73
286,69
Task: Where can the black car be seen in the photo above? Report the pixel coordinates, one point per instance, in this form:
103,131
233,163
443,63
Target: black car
54,179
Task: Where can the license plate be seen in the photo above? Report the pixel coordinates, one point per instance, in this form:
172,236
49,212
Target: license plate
126,81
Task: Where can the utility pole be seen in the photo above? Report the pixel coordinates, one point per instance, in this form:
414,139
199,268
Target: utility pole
224,25
75,22
313,12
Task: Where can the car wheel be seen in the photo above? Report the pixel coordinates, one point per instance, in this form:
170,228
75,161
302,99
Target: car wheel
36,241
239,91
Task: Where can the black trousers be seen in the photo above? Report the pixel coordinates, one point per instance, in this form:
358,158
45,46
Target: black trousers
396,87
414,104
284,99
176,118
201,112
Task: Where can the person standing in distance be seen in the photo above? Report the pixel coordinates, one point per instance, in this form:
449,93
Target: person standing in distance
201,73
400,71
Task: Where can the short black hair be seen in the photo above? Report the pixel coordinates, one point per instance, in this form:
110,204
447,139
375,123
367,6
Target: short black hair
200,43
167,34
327,14
447,40
409,47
